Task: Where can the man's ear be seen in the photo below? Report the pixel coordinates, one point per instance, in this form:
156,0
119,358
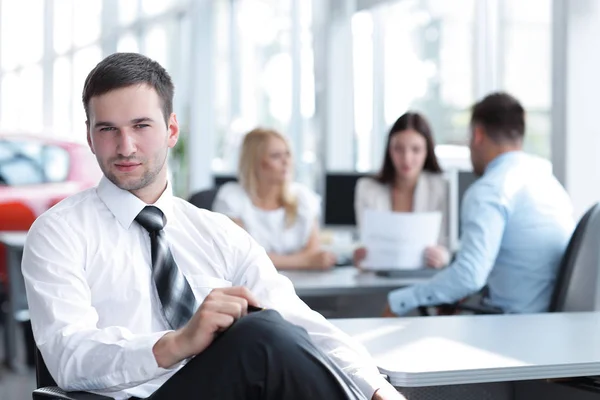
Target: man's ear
478,134
173,130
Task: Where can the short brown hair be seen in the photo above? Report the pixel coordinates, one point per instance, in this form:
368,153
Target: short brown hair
120,70
502,117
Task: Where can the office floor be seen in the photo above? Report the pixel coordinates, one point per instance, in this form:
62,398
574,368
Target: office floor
15,386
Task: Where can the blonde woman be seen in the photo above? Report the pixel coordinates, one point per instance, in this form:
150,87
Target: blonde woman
281,215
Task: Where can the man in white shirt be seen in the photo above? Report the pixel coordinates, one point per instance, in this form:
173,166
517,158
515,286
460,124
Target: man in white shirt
136,293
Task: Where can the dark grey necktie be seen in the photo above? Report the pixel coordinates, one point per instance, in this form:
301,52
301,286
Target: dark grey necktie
174,291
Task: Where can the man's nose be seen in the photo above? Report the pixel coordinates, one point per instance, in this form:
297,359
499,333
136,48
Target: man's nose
126,146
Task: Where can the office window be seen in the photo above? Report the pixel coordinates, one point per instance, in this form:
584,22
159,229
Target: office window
87,20
154,7
420,53
155,44
10,94
22,27
61,104
225,96
257,56
362,52
428,63
307,68
265,63
128,11
128,43
307,168
83,62
30,99
63,25
526,30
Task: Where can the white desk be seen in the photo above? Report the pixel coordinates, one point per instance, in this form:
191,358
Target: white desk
436,351
342,281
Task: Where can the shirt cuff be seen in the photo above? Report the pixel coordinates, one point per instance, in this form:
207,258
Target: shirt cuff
369,383
147,364
404,300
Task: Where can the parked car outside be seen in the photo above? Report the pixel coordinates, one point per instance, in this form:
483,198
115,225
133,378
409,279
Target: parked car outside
37,172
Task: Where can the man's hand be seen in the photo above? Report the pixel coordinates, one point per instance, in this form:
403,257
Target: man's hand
387,312
387,393
217,313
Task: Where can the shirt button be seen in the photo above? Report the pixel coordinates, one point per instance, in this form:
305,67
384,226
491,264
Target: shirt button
402,305
429,298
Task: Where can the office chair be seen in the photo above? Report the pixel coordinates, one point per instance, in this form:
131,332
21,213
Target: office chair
576,284
576,287
204,198
47,388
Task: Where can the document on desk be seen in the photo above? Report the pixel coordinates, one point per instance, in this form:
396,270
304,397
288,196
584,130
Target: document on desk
398,240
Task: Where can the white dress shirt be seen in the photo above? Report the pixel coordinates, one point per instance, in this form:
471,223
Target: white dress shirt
268,227
431,194
94,311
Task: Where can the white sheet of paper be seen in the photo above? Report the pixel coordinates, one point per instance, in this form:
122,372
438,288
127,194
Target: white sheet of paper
397,240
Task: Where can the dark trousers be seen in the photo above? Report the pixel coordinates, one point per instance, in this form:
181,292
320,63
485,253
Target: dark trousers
261,356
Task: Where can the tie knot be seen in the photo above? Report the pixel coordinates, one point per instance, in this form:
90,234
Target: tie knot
151,218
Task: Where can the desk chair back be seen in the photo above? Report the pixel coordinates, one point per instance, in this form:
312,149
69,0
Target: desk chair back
578,281
204,198
47,389
42,375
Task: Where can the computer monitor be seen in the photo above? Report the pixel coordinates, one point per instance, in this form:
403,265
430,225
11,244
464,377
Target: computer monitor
339,198
459,180
465,180
219,180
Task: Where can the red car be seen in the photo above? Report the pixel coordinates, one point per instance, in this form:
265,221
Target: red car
35,174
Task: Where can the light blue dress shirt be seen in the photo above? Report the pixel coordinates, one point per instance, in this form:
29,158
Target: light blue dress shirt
516,223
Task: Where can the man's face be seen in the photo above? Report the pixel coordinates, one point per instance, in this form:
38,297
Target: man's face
128,135
476,148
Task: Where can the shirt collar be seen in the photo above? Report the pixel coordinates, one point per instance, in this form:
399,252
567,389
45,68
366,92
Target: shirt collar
503,159
125,206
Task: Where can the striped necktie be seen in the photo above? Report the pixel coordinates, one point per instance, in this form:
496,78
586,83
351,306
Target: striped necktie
174,291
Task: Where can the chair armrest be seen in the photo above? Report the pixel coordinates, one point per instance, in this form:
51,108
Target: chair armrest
451,309
478,309
54,392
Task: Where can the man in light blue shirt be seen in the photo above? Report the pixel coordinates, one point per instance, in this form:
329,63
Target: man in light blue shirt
516,222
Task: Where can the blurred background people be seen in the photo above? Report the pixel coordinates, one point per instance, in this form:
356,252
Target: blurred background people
281,215
516,222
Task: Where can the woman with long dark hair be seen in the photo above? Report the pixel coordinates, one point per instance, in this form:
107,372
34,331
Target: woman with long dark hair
410,180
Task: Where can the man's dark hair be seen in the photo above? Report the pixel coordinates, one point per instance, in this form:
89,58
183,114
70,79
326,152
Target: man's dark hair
502,117
120,70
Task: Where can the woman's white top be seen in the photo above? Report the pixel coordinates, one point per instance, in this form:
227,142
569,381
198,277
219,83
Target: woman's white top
431,194
268,227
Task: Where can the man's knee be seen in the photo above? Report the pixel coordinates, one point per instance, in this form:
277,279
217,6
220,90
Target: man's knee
267,327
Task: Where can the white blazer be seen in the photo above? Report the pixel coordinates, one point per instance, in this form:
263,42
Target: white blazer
431,194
